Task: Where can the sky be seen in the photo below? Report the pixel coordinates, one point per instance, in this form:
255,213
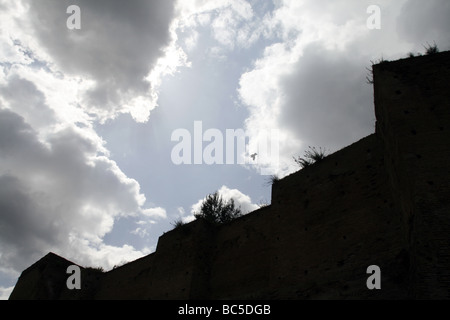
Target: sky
119,117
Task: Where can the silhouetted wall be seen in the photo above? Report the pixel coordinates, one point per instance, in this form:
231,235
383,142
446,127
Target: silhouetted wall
412,99
383,200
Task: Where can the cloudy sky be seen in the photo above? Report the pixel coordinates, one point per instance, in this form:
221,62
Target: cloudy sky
94,121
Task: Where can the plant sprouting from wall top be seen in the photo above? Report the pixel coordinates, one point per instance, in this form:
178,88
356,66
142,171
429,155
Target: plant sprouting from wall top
312,155
431,49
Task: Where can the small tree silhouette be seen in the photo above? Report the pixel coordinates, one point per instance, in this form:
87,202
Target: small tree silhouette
218,211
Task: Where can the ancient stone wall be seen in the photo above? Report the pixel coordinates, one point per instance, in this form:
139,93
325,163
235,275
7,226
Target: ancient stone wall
383,201
412,99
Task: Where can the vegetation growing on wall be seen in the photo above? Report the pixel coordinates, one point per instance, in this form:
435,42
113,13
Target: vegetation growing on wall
311,156
218,211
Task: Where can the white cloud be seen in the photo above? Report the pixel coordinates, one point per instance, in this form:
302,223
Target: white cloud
5,293
262,93
105,256
158,213
181,215
181,211
232,22
149,217
240,199
227,24
191,41
188,218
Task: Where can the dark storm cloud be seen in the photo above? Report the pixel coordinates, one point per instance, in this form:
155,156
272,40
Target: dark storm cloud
425,21
118,44
17,139
23,233
328,102
26,99
21,224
